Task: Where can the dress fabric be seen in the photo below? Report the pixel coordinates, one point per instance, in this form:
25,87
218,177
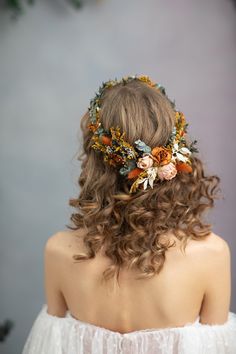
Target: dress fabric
67,335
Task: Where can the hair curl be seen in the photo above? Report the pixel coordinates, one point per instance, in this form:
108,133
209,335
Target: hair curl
131,226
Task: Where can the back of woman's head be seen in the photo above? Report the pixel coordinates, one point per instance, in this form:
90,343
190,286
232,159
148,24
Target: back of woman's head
132,227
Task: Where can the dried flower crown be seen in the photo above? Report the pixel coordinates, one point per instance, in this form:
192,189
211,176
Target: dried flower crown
141,163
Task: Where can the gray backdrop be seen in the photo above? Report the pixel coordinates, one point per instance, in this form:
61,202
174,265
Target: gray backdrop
52,60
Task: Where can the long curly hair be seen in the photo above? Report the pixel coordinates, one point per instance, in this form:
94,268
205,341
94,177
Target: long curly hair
130,227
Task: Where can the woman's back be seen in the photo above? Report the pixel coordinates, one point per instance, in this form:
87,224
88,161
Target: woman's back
172,298
141,189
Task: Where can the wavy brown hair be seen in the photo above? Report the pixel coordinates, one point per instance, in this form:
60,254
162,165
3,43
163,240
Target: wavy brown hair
131,226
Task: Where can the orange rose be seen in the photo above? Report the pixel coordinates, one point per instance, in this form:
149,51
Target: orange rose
161,155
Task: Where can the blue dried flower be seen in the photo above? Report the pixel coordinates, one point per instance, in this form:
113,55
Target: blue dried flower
100,131
142,146
126,169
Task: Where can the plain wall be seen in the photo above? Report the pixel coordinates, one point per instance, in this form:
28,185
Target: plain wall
52,61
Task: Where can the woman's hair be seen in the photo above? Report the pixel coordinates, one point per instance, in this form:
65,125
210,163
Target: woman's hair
130,226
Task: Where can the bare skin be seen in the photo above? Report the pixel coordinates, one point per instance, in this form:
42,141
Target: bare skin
191,284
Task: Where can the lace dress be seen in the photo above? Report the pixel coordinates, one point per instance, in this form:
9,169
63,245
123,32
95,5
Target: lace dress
67,335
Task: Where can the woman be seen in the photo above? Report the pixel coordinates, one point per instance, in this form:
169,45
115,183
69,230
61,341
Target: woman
138,270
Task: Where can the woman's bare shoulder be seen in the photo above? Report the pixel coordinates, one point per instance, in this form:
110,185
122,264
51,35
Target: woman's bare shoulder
62,241
218,250
213,243
211,253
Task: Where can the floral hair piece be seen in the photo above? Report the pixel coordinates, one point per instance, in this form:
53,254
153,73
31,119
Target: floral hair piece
141,163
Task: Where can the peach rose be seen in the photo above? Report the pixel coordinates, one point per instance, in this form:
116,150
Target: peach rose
167,171
161,155
145,162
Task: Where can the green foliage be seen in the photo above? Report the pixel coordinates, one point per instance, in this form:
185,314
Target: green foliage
17,7
76,3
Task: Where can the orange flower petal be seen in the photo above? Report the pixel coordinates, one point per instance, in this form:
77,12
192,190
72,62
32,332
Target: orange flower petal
134,173
161,155
106,140
184,167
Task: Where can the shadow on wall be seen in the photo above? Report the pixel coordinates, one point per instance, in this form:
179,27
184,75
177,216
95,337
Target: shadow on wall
5,329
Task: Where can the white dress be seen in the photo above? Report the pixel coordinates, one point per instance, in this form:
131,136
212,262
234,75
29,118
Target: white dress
67,335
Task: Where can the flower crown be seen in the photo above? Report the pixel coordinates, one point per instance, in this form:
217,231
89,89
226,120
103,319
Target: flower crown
141,163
